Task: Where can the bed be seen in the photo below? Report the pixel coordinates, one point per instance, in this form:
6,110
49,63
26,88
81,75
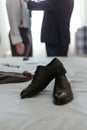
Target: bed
39,112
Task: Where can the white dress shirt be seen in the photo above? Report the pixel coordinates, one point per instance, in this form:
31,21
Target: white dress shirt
17,11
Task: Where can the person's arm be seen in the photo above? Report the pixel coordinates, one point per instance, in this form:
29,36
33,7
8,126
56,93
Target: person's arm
13,11
46,5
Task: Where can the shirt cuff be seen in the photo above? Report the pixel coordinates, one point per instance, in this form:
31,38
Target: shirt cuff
16,39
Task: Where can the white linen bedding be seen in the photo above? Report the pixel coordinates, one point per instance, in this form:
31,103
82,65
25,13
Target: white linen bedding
39,112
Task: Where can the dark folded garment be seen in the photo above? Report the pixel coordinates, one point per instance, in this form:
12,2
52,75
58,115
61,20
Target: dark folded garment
14,77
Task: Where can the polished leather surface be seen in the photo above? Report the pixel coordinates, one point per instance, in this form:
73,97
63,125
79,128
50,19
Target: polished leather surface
62,93
43,76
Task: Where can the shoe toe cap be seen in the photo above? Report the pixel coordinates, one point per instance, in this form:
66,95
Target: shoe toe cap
62,98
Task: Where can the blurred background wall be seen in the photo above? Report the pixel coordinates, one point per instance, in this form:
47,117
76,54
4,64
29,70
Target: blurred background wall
79,19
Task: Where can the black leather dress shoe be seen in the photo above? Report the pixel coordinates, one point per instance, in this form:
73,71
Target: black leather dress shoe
62,92
42,77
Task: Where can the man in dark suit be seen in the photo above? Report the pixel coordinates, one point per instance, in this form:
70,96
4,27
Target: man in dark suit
56,22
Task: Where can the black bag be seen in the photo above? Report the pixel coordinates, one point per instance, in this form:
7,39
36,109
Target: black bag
14,77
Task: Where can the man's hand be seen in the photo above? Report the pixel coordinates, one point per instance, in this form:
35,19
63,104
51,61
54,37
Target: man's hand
20,48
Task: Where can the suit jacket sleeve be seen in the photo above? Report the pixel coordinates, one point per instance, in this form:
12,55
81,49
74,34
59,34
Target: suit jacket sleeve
46,5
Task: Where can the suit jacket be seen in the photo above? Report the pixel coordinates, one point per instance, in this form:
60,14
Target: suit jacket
56,20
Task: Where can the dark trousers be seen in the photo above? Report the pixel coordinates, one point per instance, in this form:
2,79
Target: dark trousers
59,44
27,40
53,50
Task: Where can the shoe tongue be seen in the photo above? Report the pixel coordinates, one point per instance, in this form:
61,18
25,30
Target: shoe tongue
40,67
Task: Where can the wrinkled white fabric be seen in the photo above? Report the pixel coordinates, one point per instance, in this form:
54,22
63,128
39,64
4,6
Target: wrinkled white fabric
39,112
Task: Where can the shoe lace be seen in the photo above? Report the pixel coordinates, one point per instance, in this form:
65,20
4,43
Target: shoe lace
60,82
35,76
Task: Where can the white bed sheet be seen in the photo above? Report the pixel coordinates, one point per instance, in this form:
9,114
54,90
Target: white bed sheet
39,112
